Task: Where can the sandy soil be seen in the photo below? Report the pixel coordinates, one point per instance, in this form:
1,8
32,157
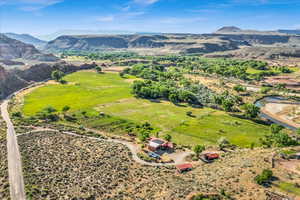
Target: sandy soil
286,112
291,165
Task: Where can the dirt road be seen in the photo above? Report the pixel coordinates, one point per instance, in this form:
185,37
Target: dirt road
179,157
16,181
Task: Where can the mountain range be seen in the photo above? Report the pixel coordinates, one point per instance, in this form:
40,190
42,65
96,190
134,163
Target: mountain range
28,39
14,49
230,39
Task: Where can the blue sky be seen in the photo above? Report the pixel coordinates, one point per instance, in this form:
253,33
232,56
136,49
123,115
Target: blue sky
194,16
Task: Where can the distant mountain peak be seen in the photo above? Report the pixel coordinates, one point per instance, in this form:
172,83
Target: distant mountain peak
229,29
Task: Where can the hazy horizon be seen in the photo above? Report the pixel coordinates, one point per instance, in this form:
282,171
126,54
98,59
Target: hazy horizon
43,17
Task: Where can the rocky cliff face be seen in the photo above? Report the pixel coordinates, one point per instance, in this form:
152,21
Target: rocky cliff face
14,80
12,49
181,43
260,53
254,39
87,43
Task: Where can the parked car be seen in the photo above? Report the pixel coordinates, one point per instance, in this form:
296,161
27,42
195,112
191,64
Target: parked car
154,155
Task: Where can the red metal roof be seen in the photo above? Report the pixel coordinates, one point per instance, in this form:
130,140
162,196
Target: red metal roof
212,155
168,145
184,166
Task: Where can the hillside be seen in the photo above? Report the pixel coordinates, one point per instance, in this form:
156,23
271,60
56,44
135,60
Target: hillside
28,39
297,31
239,31
177,43
227,29
13,80
225,39
13,49
260,52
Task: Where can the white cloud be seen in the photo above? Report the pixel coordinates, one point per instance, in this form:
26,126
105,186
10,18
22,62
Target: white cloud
30,5
133,14
145,2
106,19
119,16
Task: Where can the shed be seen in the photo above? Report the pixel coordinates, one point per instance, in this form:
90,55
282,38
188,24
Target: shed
211,156
184,167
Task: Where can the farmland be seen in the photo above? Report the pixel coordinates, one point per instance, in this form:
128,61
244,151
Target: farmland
94,93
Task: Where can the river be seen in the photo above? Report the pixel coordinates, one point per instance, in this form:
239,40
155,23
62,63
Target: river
274,99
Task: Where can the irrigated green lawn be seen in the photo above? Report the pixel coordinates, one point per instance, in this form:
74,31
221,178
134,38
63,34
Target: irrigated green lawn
110,94
290,188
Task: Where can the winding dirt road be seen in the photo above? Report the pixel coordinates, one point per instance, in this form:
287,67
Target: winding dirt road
179,158
16,182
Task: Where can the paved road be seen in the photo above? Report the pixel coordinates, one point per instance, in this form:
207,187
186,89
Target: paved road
16,182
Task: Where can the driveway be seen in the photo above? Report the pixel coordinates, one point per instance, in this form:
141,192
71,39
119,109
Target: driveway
16,182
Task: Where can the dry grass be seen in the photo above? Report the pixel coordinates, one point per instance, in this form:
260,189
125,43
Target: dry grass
59,166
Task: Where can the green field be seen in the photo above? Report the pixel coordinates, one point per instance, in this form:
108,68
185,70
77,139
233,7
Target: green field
109,93
289,187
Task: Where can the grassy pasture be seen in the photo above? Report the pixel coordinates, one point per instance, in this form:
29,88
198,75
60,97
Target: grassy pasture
289,187
109,93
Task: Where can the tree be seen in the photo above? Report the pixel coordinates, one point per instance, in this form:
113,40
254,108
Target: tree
17,114
264,178
48,114
189,113
144,135
168,137
84,113
173,98
227,105
49,109
57,75
298,131
98,69
65,109
275,128
278,139
251,110
198,149
239,88
265,90
223,143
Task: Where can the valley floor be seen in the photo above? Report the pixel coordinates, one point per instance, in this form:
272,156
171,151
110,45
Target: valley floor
110,94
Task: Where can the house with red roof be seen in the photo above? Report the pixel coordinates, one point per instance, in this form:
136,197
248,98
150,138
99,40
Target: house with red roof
157,143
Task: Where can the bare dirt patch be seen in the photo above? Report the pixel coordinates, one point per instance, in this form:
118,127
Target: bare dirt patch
285,112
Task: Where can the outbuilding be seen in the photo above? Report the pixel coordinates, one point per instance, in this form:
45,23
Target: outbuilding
184,167
211,156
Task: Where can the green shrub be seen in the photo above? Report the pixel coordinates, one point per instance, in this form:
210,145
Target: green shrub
264,178
198,149
168,137
275,128
17,114
251,110
265,90
239,88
